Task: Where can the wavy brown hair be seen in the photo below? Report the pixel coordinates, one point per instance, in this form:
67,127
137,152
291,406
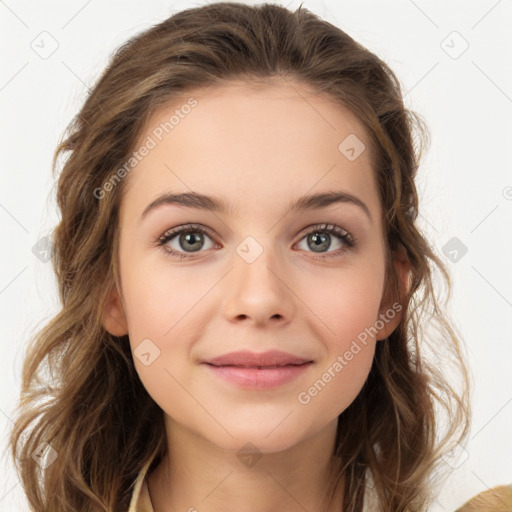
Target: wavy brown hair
92,408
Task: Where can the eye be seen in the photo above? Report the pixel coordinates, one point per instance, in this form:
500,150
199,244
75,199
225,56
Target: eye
320,238
189,239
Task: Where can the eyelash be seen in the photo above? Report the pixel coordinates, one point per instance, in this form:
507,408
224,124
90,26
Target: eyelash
345,236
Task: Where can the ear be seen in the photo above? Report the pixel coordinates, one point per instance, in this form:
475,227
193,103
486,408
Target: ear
391,313
114,317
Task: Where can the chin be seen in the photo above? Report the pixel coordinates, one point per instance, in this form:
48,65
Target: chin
259,440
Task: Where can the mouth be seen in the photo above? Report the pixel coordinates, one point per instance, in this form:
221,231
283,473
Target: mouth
268,359
267,367
259,377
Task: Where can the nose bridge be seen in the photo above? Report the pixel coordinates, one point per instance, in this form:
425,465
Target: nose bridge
257,288
256,262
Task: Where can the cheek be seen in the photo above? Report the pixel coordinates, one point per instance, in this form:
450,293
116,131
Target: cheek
166,312
161,310
346,303
160,302
347,309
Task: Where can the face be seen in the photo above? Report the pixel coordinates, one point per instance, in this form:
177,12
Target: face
257,275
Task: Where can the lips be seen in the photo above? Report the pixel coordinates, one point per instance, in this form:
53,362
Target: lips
258,372
264,360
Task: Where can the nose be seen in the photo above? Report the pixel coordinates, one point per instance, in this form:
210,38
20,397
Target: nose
259,290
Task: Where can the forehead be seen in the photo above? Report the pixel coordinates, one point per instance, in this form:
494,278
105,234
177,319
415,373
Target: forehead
251,143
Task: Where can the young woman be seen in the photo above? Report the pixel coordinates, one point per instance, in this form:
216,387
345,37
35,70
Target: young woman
246,297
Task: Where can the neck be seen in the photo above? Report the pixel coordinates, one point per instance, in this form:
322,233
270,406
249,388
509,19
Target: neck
202,476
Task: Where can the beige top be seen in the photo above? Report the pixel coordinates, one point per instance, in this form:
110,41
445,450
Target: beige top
141,501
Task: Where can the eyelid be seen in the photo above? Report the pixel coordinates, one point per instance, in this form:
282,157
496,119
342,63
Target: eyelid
185,227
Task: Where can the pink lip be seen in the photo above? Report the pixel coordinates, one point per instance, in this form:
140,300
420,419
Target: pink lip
251,370
255,378
254,360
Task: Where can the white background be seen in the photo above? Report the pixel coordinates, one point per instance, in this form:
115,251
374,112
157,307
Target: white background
465,181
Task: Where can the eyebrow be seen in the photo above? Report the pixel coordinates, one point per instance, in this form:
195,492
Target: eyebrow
199,201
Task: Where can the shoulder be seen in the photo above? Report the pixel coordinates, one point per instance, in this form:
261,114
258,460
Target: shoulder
497,499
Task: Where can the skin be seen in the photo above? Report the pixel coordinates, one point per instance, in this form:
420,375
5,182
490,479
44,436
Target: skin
259,148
